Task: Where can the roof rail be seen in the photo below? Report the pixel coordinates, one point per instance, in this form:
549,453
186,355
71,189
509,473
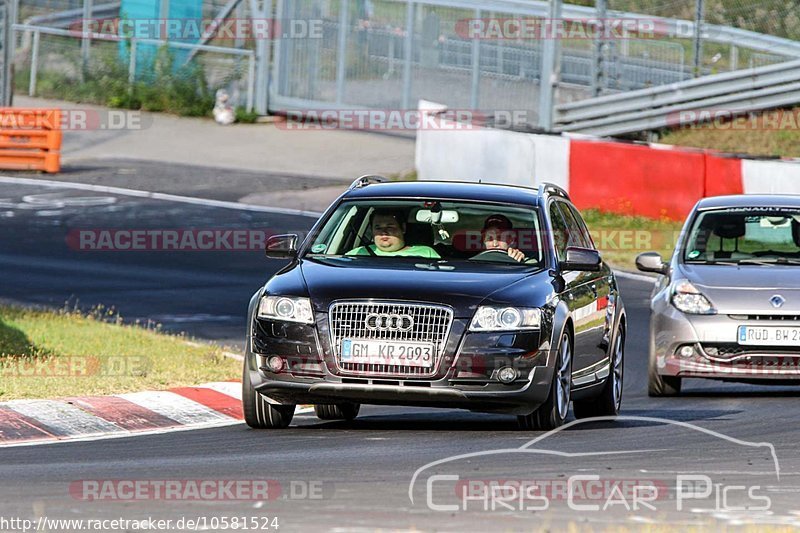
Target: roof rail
368,179
554,189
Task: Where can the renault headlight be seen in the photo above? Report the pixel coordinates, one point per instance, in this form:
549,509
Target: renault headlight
287,308
505,319
688,299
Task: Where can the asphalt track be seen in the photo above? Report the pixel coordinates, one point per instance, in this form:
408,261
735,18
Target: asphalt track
331,476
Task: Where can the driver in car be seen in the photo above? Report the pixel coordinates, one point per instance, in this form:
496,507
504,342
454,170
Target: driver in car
497,235
388,230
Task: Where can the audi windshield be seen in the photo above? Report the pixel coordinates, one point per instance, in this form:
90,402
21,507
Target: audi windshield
431,229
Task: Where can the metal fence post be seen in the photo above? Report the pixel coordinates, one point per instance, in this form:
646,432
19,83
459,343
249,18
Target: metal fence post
85,40
258,66
10,11
278,52
476,67
341,66
734,57
34,64
698,43
132,64
251,80
599,76
549,76
408,52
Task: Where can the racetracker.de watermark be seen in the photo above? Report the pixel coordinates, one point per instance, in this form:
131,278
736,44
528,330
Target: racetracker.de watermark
72,366
76,120
168,239
735,120
608,29
194,29
211,490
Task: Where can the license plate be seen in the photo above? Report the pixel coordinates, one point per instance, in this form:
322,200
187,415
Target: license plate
371,352
769,336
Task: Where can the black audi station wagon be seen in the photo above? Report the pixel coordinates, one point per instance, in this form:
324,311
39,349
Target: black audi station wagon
485,297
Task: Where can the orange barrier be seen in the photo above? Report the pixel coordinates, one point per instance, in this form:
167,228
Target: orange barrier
30,139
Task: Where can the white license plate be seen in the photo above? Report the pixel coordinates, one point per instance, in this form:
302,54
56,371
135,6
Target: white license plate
371,352
769,335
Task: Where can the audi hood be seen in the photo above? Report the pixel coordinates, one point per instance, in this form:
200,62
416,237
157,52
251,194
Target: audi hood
463,285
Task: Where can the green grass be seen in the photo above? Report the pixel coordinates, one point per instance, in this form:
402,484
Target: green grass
780,137
47,354
621,238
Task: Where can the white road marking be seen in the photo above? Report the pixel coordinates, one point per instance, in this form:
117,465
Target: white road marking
63,418
174,406
158,196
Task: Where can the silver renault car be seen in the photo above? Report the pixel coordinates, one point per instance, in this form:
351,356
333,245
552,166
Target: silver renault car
727,305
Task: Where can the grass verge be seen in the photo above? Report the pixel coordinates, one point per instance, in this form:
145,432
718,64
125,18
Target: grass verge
49,354
773,133
620,238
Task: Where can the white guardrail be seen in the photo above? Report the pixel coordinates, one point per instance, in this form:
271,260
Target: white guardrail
710,97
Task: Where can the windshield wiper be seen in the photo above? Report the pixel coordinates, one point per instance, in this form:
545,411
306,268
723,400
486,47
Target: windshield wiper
713,262
776,261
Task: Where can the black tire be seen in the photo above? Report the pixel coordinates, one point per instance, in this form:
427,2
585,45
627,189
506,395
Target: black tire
609,401
341,411
658,385
258,412
553,412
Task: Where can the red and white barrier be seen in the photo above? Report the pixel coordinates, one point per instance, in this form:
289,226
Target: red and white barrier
652,180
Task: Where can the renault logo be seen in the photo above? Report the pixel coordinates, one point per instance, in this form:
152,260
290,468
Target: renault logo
389,322
777,301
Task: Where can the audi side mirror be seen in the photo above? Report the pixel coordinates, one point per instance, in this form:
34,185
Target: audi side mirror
581,259
651,262
281,246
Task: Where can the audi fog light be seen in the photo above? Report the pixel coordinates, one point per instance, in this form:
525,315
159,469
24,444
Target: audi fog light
489,318
275,363
288,308
507,374
688,299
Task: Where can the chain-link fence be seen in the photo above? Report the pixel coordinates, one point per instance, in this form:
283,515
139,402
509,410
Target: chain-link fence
53,58
391,53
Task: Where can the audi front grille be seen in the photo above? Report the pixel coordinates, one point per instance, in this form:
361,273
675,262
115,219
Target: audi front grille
393,322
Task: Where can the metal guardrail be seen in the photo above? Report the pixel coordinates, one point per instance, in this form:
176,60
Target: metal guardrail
64,19
37,31
741,91
710,32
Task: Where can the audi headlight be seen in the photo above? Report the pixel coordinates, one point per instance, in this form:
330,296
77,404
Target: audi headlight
505,319
688,299
288,308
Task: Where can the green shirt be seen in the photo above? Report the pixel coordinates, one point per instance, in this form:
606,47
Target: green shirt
412,251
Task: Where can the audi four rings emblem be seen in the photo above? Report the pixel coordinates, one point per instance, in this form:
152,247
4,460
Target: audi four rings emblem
389,322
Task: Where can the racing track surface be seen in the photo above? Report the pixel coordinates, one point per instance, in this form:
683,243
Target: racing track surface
336,477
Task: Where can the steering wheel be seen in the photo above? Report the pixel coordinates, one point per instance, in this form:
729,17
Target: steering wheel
494,255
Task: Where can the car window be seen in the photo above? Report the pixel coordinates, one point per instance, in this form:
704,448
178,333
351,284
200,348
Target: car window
586,237
575,236
745,235
428,228
559,231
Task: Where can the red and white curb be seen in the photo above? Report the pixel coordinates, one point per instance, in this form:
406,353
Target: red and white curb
26,422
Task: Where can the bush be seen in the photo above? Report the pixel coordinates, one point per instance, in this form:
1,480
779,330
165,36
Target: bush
182,91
